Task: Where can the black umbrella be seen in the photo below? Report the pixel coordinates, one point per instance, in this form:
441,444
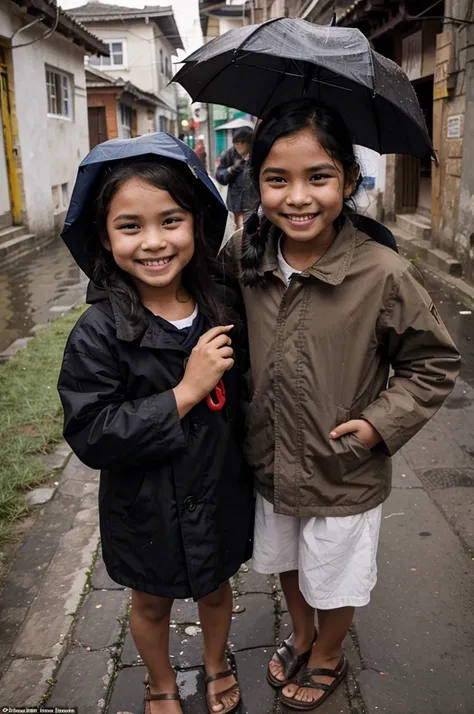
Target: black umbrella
256,67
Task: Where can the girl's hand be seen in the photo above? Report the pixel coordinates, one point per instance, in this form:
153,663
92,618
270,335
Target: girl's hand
362,429
210,358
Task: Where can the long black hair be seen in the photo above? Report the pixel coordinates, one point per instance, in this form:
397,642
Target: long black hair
286,120
197,276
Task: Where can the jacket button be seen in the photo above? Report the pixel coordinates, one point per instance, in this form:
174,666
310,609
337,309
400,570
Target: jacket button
190,504
195,424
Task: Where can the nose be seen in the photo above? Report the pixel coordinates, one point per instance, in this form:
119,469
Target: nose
298,195
153,239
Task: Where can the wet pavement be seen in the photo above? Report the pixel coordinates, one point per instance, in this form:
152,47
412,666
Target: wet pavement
64,622
32,286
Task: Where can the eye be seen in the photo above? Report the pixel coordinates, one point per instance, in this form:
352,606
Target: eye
131,226
276,179
171,221
319,177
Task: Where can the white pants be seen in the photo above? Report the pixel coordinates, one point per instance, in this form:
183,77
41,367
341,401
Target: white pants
335,557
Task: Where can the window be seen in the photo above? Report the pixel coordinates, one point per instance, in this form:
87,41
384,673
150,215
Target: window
126,121
162,69
167,67
58,88
118,55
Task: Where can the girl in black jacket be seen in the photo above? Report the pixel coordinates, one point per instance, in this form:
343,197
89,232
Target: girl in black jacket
146,371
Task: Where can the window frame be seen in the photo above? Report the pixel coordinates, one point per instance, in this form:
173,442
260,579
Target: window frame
59,94
101,64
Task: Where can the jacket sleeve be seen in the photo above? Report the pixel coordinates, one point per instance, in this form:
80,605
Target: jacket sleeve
103,427
223,175
424,360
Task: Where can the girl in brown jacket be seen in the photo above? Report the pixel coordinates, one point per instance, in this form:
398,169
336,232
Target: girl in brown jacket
329,311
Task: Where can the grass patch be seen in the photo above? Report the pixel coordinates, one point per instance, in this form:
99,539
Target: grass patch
30,417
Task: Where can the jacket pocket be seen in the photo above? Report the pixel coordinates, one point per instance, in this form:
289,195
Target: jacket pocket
348,451
140,507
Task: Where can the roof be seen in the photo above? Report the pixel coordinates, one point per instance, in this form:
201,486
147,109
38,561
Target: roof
95,12
95,79
55,17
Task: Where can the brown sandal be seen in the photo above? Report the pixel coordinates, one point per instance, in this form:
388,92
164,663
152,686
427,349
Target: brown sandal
291,663
305,680
149,697
218,697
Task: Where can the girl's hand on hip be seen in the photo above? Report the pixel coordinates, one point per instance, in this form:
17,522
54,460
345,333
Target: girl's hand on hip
362,429
210,358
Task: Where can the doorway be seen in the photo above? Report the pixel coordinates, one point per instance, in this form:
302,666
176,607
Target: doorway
424,92
97,126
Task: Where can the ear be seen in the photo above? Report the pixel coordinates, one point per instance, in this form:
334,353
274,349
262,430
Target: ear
351,181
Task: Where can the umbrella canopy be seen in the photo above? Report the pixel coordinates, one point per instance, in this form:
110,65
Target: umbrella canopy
236,124
256,67
78,232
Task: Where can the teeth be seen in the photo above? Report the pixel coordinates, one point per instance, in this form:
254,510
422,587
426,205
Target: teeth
162,261
302,219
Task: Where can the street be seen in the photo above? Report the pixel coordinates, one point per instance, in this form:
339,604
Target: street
411,650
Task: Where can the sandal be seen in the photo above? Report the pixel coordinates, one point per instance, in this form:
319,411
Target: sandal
149,697
291,663
213,699
305,680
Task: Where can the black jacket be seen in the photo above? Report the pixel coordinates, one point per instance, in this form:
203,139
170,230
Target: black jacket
241,195
176,498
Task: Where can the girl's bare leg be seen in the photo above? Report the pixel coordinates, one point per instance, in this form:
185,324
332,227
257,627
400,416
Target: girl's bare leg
215,612
149,625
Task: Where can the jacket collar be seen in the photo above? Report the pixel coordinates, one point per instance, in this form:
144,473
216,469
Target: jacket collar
332,267
147,330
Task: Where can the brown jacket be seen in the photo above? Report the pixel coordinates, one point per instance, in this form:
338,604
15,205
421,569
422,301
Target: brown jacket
321,351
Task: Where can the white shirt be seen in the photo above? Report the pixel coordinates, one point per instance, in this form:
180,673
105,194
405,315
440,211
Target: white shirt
186,321
285,268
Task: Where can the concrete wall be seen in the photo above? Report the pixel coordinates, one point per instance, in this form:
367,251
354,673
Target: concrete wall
146,121
50,149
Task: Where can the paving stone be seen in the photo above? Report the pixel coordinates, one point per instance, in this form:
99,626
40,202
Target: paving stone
87,515
403,474
255,626
185,650
185,611
101,580
82,682
130,654
28,569
77,471
286,627
79,489
14,347
49,618
253,582
257,696
25,682
97,625
128,691
458,506
11,619
58,516
55,460
192,691
40,496
89,501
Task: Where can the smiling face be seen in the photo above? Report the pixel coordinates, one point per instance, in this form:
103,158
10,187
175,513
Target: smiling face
302,188
151,237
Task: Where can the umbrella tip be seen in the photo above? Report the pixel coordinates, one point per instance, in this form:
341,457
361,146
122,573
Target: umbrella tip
332,21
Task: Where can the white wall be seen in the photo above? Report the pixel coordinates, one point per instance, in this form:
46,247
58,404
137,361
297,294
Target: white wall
145,125
49,149
140,67
229,23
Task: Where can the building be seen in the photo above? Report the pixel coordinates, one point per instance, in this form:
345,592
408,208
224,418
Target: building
44,118
117,108
431,203
141,44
